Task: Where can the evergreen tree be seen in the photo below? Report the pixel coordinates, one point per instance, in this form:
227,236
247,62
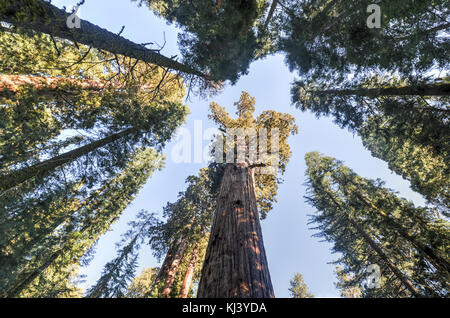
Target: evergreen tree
236,239
142,283
41,16
332,38
119,272
182,238
370,225
219,38
69,237
409,132
298,288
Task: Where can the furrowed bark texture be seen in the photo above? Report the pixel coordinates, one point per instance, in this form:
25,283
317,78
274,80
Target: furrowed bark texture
235,264
41,16
187,281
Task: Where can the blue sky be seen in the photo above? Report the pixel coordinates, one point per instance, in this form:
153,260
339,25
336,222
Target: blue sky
288,242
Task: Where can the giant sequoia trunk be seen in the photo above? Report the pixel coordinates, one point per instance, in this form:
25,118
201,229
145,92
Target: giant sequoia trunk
235,263
41,16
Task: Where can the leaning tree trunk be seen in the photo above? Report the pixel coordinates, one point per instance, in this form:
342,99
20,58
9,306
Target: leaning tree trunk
406,282
15,178
41,16
50,85
235,263
173,268
437,89
187,281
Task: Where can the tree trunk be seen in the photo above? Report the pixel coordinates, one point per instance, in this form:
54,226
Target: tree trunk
235,264
386,260
271,12
440,263
187,282
173,268
41,16
405,281
22,283
420,90
10,84
17,177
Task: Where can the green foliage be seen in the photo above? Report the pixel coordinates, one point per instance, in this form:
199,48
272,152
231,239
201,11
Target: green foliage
59,240
221,40
141,284
411,133
266,184
331,38
412,238
298,288
119,272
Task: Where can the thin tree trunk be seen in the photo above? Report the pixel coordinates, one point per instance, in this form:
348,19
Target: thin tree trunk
17,177
386,259
405,281
173,269
235,264
187,282
28,278
437,261
176,260
271,12
41,16
420,90
10,84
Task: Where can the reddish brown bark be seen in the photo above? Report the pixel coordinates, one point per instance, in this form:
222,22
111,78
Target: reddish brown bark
187,282
173,269
235,263
11,84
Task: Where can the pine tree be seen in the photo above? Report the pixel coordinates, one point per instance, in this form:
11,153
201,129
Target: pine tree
41,16
370,225
298,288
219,39
409,132
70,237
183,236
119,272
142,283
325,38
236,239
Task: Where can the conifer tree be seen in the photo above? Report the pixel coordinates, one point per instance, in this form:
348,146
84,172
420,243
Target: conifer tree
69,238
182,237
409,132
119,272
219,39
370,225
298,288
235,263
41,16
333,38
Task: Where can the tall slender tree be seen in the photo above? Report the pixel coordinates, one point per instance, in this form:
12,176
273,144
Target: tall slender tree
41,16
363,219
